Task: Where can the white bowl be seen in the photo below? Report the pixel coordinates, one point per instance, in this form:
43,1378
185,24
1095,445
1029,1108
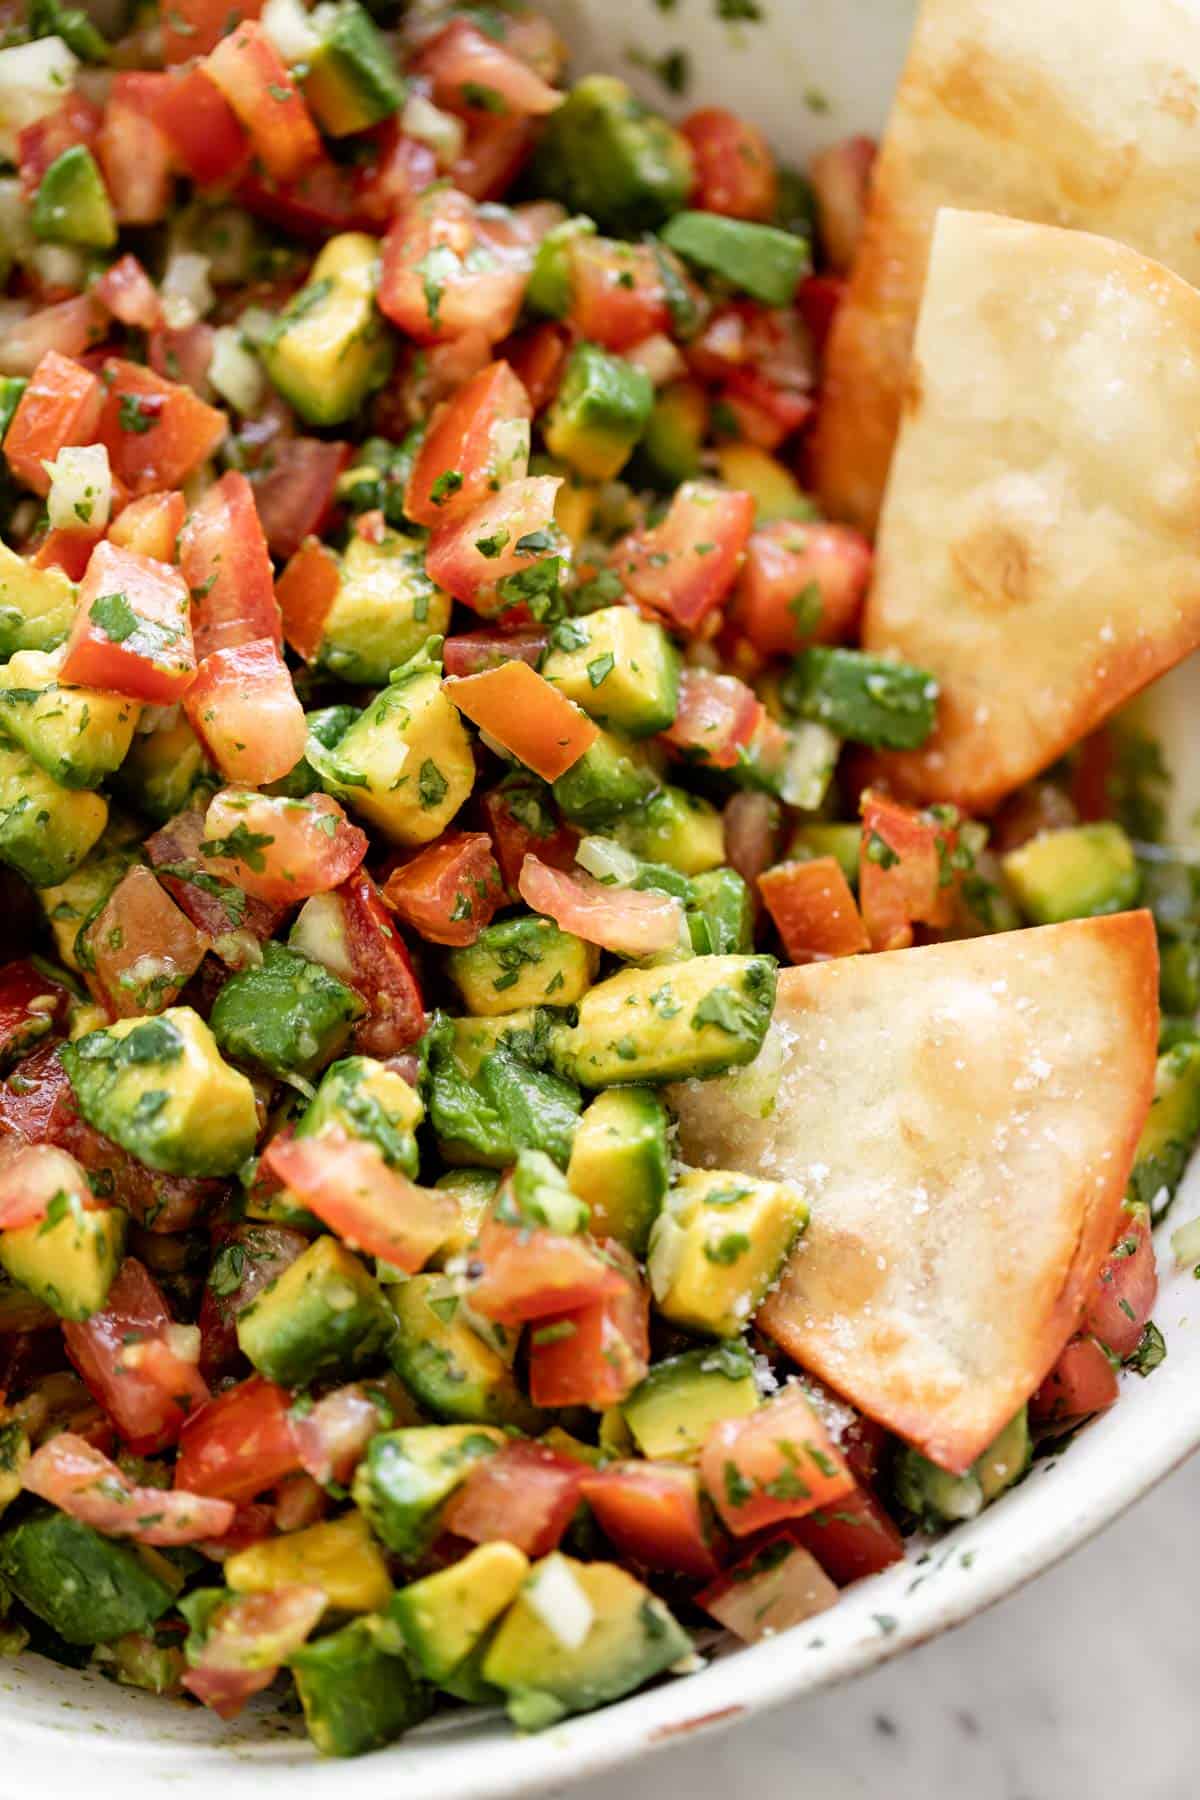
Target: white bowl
60,1728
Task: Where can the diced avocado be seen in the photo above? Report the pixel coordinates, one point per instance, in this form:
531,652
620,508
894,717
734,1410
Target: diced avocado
938,1498
369,1101
338,1555
160,1087
1170,1131
379,476
87,1588
47,18
71,205
14,1454
408,1475
1073,874
71,904
522,1034
446,1616
36,605
549,287
777,493
12,387
327,726
352,82
69,1259
799,771
719,1245
610,778
620,1162
599,413
140,1661
619,667
669,451
162,770
695,1018
816,838
548,1673
869,699
721,923
759,260
76,735
406,762
385,608
522,962
286,1015
329,346
474,1189
356,1695
677,828
605,154
450,1370
672,1410
537,1109
45,830
323,1317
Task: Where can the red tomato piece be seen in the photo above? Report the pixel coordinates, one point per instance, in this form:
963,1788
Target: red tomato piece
1081,1383
813,909
151,525
61,405
197,26
183,355
776,1463
372,1207
75,121
258,85
840,177
239,1444
905,872
447,270
627,921
69,551
476,441
250,1255
82,1482
1127,1287
525,1494
323,199
495,152
142,948
31,1004
654,1515
248,1641
383,972
135,159
472,73
778,1585
226,563
517,817
448,891
487,558
304,595
716,719
131,633
734,169
536,1274
184,871
333,1435
531,719
618,296
537,356
69,327
205,139
474,651
295,491
243,708
156,431
853,1538
277,849
32,1175
801,585
594,1355
129,294
685,566
817,301
130,1368
399,170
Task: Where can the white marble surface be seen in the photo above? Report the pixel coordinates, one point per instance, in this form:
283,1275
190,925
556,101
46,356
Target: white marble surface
1084,1685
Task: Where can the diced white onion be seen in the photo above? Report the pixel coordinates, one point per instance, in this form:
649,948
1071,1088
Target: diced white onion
183,1341
559,1601
186,290
80,496
753,1089
441,131
58,265
290,29
508,442
320,934
1185,1245
16,234
608,861
35,79
666,1248
659,357
810,765
256,324
236,372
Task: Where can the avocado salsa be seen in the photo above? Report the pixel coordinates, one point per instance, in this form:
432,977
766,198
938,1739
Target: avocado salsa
431,710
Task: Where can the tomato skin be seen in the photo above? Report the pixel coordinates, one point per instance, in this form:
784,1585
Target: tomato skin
135,158
448,891
139,922
400,169
496,151
814,910
297,853
1126,1288
529,717
370,1206
716,718
239,1444
206,141
334,1435
266,1250
523,511
538,1274
514,837
296,494
607,1352
75,121
123,1356
69,551
61,405
537,356
461,62
323,199
151,526
467,436
383,972
777,1463
156,431
617,292
627,921
652,1514
258,85
444,223
910,889
525,1494
801,585
31,1005
225,561
154,660
174,852
1081,1383
473,651
304,595
817,300
197,26
735,171
852,1538
243,708
82,1482
685,566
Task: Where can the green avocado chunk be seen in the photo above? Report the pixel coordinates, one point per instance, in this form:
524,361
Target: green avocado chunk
619,667
604,154
407,1476
69,1259
611,777
357,1695
672,1410
721,922
288,1016
869,699
447,1365
329,346
368,1101
352,81
939,1499
599,413
46,830
759,260
87,1588
1076,873
78,736
36,605
323,1318
71,205
1171,1130
519,963
620,1164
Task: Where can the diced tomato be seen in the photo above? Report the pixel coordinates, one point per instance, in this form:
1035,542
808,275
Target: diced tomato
332,1435
618,296
383,972
840,177
734,168
448,891
1127,1286
32,1175
743,338
249,1255
522,712
494,154
305,593
474,651
905,870
716,718
156,431
82,1482
135,158
526,1494
258,85
777,1463
207,144
243,708
248,1641
446,269
75,121
800,585
400,168
594,1355
476,441
817,300
69,327
69,551
627,921
125,1357
517,817
472,73
323,199
151,525
654,1514
537,356
141,947
279,849
226,564
372,1207
778,1585
239,1444
131,633
129,294
253,1522
299,1500
197,26
31,1004
1081,1383
852,1538
502,557
196,888
685,566
61,405
183,354
535,1274
295,490
813,909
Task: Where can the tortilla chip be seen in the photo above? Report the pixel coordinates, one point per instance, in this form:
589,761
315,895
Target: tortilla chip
1039,550
1080,115
962,1120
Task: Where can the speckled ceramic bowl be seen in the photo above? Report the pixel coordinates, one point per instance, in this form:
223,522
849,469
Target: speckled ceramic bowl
809,71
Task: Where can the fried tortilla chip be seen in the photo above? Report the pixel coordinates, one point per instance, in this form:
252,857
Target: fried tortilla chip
962,1121
1039,550
1065,114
